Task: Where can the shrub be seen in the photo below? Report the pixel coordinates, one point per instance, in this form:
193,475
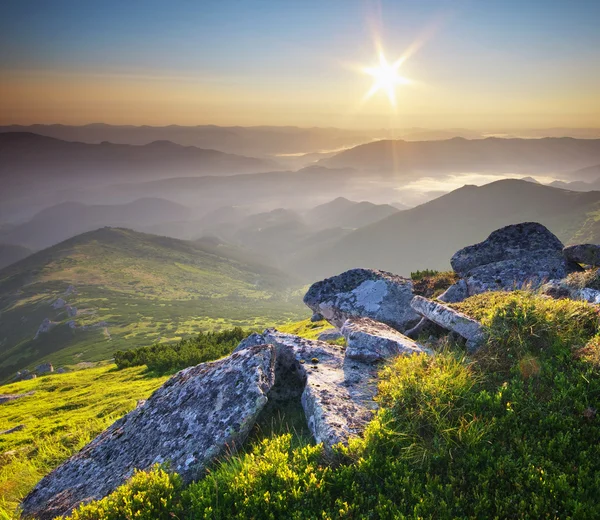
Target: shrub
584,279
166,357
431,284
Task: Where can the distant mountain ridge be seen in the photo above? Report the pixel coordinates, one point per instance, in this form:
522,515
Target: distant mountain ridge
458,154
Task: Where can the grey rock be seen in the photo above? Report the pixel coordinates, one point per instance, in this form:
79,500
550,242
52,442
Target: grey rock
337,392
316,317
588,254
368,293
330,335
44,327
452,320
252,340
61,370
59,304
71,311
588,295
70,290
6,398
27,377
514,257
455,293
17,428
193,418
44,368
371,341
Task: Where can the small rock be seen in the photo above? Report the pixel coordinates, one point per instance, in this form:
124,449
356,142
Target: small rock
59,304
12,430
370,341
588,254
44,368
5,398
368,293
45,326
452,320
330,335
316,317
455,293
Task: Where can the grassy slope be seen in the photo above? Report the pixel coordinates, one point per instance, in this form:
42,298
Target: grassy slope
132,289
65,412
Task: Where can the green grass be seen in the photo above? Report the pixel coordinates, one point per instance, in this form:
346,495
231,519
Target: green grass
133,290
454,437
65,413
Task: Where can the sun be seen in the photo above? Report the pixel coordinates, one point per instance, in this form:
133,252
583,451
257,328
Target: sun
386,78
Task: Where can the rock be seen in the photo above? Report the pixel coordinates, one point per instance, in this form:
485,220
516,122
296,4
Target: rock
588,295
455,293
61,370
558,289
555,289
70,290
588,254
513,257
337,392
196,416
71,311
5,398
330,335
12,430
371,341
59,304
252,340
367,293
44,368
27,377
452,320
316,317
45,326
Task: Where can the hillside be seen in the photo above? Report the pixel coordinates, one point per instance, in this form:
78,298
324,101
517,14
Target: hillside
11,253
428,235
60,222
458,154
116,289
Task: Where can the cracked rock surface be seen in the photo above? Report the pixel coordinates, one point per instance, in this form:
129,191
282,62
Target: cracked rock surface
195,416
368,293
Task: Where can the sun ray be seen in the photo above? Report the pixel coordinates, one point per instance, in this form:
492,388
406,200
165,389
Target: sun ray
385,78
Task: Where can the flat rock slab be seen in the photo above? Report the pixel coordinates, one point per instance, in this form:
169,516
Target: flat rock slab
371,341
452,320
338,392
194,417
367,293
588,254
513,257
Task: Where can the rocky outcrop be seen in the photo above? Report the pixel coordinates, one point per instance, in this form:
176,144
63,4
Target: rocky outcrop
452,320
368,293
194,417
44,327
6,398
330,335
44,368
337,395
513,257
370,341
588,254
59,304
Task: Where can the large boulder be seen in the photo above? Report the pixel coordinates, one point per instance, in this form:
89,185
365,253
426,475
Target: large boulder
337,395
588,254
452,320
513,257
193,418
371,341
367,293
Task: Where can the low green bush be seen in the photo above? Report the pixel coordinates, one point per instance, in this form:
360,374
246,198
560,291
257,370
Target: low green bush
455,437
166,357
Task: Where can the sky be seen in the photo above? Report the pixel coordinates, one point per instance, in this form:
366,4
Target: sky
480,64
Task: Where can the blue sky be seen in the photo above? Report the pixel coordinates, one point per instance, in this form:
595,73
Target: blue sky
239,55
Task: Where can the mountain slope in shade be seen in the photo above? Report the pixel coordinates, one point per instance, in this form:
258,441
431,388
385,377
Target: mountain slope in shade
113,289
428,235
11,253
60,222
342,212
458,154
